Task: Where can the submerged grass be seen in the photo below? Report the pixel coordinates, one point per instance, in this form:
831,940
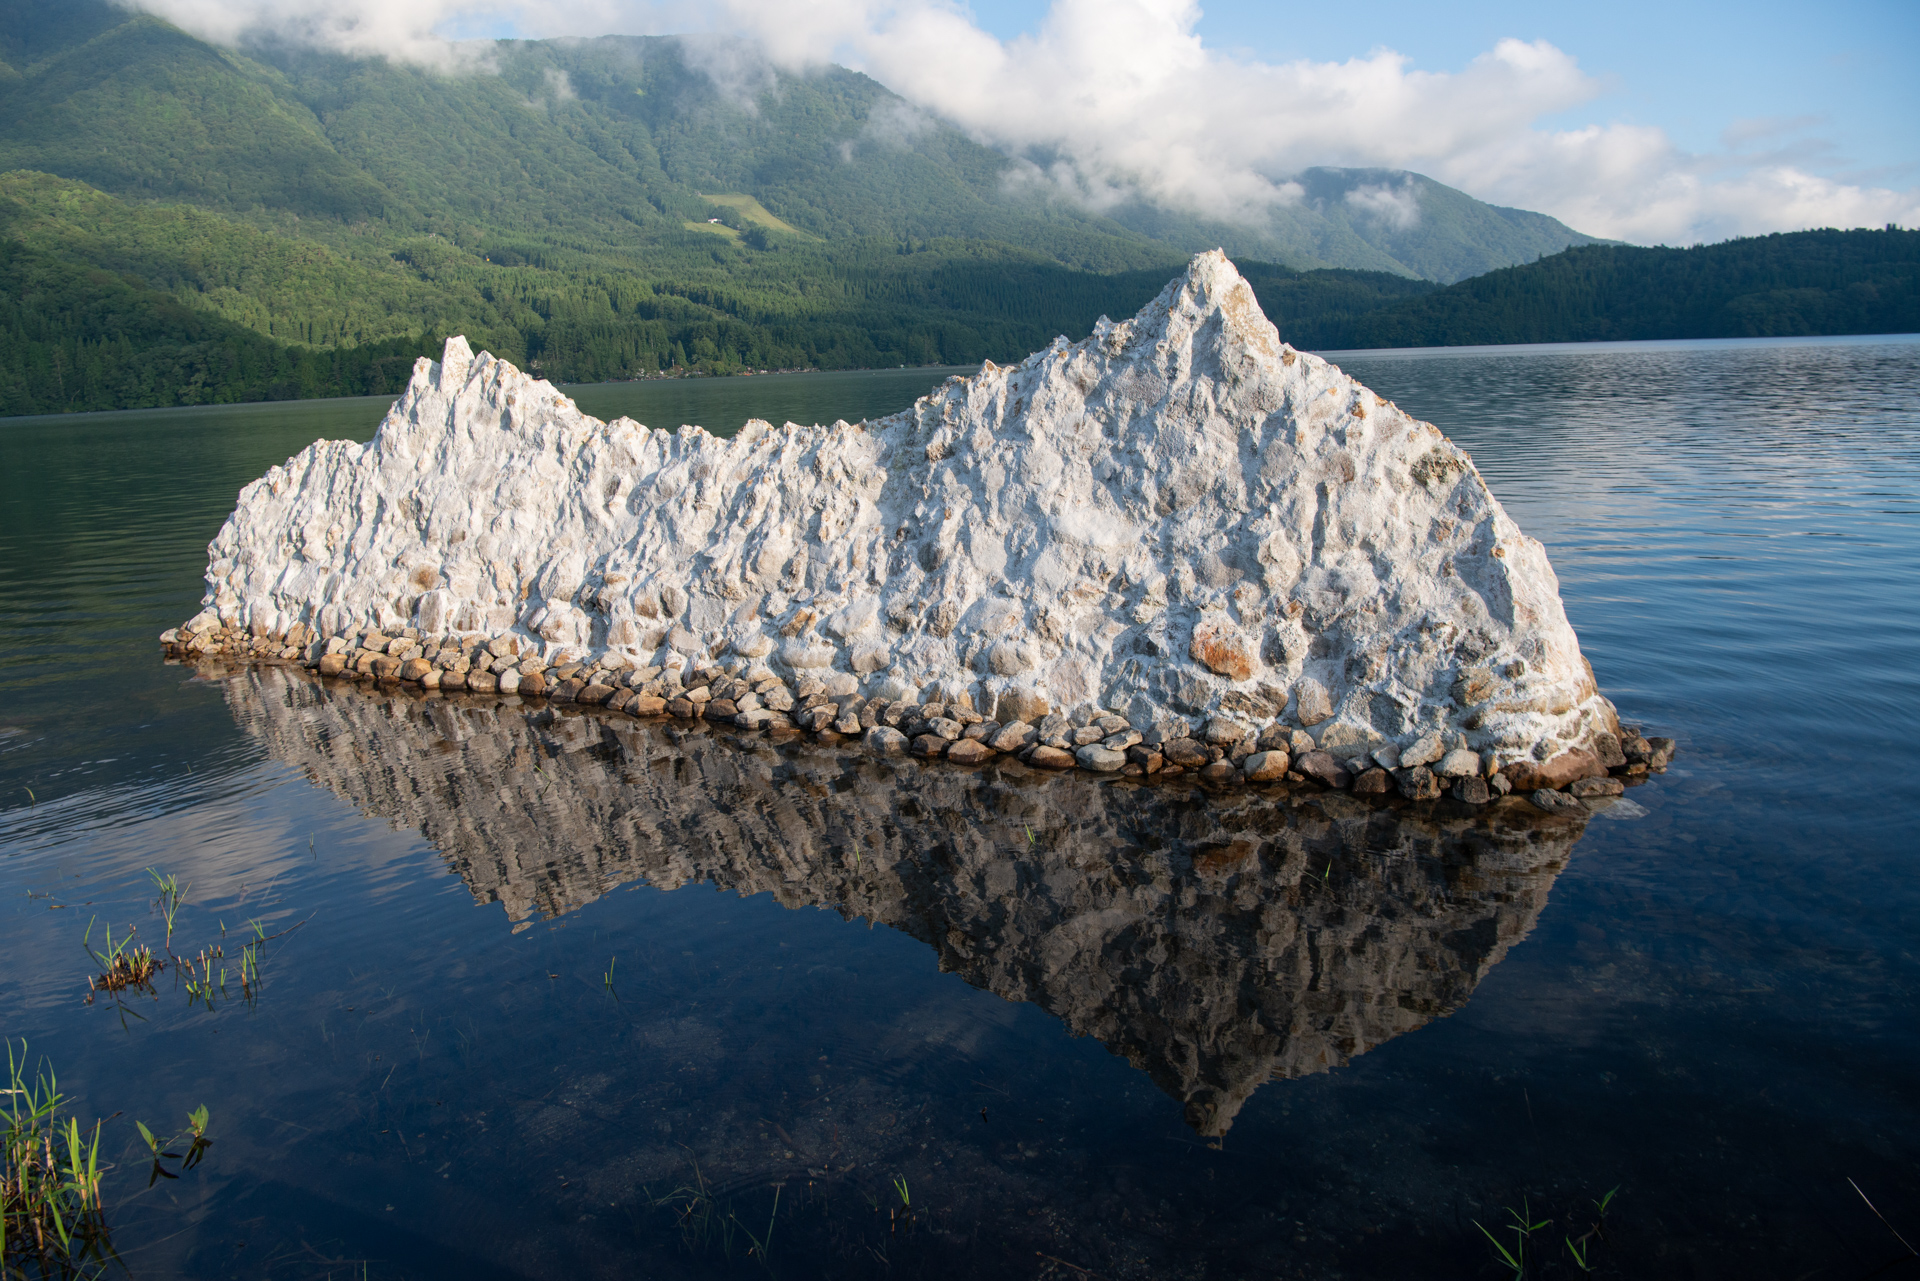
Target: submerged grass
122,965
204,975
53,1221
1530,1253
706,1223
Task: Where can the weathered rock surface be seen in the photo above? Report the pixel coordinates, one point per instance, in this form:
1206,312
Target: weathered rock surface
1179,519
1182,939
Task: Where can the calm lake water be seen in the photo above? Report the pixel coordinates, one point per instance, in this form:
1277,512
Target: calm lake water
577,997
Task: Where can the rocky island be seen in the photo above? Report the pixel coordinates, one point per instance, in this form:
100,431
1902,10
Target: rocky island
1177,546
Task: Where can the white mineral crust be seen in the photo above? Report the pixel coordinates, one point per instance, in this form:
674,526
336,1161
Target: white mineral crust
1178,518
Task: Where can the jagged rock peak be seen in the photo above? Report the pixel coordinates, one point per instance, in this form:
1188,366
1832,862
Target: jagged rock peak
1178,518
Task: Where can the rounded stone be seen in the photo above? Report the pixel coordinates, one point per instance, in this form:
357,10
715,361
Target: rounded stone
1472,789
1557,803
1264,767
1051,758
970,751
1323,769
1374,782
1220,772
882,740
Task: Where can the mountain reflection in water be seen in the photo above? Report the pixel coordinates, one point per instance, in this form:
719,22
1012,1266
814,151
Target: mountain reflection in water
1213,941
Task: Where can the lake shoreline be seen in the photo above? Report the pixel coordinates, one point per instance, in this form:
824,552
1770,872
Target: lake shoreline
1596,346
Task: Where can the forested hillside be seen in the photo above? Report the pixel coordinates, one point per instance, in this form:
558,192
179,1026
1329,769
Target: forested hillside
1785,285
93,316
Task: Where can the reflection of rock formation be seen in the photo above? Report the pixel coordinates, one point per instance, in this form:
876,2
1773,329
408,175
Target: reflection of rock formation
1214,942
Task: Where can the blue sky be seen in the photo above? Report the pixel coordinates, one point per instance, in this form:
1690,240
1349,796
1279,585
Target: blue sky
1845,76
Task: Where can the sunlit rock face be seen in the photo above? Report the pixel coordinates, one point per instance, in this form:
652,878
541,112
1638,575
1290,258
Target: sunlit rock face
1176,518
1215,942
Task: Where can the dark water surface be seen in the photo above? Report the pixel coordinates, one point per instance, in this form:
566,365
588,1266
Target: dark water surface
580,997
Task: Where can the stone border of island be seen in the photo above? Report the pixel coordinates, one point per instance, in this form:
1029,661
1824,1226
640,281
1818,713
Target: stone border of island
1222,752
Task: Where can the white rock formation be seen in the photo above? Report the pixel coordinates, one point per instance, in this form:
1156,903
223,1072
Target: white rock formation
1178,518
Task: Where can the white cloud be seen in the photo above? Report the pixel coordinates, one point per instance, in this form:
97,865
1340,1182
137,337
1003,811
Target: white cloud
1112,97
1398,206
402,29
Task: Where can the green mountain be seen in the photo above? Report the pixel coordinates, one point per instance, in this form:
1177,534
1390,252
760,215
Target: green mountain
612,140
1784,285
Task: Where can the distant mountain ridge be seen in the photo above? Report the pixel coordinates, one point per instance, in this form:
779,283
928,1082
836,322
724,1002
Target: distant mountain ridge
616,138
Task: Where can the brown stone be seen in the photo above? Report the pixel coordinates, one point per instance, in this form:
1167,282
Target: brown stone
1374,782
1186,753
1323,769
1264,767
481,682
414,668
722,709
1472,789
594,694
929,745
1557,803
332,664
1026,705
1570,765
1607,748
1221,648
453,680
1147,758
1051,758
647,705
533,683
970,751
1417,783
681,708
1588,787
1012,737
1221,773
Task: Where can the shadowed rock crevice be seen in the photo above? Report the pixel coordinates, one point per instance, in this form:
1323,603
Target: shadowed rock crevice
1215,942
